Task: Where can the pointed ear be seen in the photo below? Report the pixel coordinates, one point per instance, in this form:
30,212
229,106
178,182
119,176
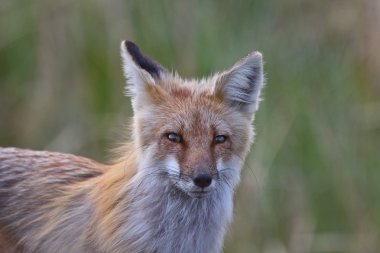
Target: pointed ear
141,72
241,85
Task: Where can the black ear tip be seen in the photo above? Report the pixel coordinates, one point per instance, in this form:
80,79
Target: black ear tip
131,47
141,60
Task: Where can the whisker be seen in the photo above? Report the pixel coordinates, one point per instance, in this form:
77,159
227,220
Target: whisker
250,169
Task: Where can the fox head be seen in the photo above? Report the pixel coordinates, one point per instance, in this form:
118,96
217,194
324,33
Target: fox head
195,133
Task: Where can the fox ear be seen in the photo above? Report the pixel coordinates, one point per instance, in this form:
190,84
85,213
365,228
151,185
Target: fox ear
142,74
241,85
139,69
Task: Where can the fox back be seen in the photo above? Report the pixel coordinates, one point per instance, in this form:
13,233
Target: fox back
169,190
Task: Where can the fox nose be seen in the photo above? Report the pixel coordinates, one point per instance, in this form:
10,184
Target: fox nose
202,179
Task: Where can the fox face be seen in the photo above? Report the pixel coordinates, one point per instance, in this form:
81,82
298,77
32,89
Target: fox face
194,133
195,143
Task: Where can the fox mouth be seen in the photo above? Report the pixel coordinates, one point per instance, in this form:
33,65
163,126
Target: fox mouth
199,194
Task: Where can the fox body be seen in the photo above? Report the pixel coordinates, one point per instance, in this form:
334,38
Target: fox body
171,188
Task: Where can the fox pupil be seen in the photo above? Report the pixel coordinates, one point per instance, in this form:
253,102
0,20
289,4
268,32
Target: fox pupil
173,137
220,139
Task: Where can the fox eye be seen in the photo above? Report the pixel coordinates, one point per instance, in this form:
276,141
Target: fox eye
173,137
219,139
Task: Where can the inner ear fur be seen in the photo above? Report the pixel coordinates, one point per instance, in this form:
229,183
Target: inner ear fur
241,85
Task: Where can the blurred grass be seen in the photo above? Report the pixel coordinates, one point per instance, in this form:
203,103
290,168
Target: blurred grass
311,182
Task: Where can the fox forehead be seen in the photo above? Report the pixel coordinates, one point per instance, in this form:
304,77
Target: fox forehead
182,109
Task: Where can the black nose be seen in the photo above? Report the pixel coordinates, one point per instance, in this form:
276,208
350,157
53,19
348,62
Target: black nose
202,180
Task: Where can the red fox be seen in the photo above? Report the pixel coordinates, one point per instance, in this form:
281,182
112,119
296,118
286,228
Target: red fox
170,190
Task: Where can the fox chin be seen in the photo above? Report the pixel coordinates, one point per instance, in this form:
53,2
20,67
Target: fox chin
170,187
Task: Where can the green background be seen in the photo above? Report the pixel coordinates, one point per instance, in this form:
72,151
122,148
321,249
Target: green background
312,180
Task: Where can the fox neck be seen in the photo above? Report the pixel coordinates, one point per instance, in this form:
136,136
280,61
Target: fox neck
162,218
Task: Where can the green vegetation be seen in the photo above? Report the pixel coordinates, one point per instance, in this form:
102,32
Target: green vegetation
311,183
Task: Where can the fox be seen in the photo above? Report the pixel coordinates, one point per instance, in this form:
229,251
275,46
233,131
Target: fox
172,183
